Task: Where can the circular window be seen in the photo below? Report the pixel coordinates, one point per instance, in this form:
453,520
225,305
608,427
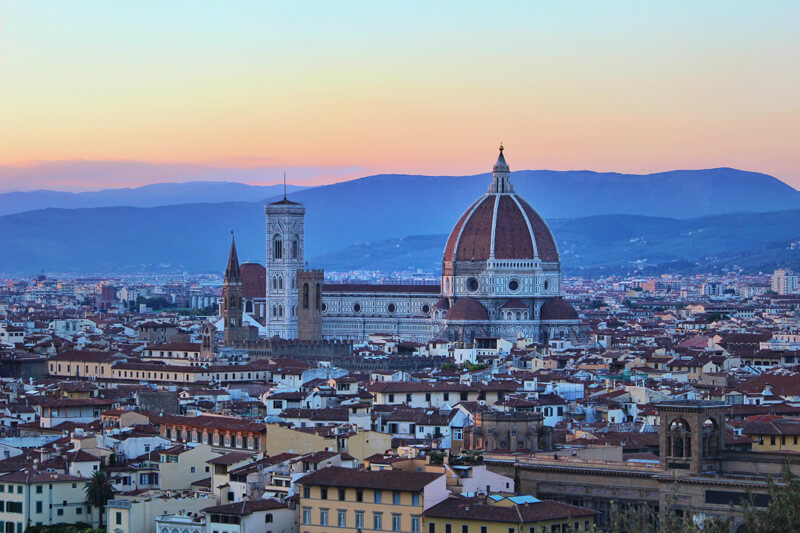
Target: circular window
426,309
513,285
392,308
356,307
472,285
324,307
546,285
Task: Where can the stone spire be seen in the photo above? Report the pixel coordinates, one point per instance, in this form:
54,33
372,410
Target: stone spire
232,273
501,175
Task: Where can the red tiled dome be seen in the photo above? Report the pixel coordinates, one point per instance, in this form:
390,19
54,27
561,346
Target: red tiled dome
467,309
557,309
518,230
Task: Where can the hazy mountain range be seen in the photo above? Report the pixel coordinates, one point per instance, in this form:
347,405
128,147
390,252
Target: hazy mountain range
620,243
590,213
154,195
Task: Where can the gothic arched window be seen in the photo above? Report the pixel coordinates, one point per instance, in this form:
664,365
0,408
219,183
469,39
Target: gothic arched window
295,247
277,247
305,295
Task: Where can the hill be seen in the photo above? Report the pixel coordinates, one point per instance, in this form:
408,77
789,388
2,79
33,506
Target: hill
195,237
157,194
616,244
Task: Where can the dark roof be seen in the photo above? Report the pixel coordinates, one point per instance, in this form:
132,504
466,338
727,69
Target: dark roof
379,288
467,309
285,202
210,422
457,507
230,458
335,476
245,507
35,476
83,355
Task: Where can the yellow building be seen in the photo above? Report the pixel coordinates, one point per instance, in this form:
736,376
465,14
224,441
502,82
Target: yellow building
499,514
81,363
386,500
779,434
359,444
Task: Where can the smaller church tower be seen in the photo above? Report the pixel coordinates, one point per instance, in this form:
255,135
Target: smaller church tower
231,310
309,308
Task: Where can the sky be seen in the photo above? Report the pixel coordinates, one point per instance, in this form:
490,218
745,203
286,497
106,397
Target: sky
105,94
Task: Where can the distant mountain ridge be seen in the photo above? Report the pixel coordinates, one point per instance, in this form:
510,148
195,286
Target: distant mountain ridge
194,236
157,194
615,244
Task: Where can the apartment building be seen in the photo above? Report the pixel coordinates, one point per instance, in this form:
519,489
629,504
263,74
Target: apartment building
32,497
372,500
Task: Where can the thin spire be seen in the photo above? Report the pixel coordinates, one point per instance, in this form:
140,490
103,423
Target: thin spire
232,273
284,185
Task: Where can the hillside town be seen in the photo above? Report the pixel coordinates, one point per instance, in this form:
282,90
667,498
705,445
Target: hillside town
197,434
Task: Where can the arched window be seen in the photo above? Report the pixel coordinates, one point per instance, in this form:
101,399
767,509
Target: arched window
295,247
248,307
280,283
305,295
280,310
277,247
318,296
268,518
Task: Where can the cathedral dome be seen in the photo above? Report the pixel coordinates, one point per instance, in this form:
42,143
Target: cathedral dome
500,225
467,309
557,309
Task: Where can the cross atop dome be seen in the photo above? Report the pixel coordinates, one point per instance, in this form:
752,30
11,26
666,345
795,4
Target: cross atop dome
501,175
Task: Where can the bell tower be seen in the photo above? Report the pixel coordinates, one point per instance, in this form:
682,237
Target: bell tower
231,306
285,247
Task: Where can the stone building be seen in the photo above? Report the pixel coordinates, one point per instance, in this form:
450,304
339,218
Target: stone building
696,473
501,277
507,431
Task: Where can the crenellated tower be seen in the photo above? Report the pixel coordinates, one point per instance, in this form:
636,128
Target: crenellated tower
309,308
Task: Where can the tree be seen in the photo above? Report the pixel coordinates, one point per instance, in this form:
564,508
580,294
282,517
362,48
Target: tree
98,492
783,511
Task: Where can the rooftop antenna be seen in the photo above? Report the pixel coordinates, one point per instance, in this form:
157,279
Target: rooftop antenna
284,185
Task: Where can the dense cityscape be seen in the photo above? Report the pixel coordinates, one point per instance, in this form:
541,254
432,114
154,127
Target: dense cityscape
399,267
275,399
